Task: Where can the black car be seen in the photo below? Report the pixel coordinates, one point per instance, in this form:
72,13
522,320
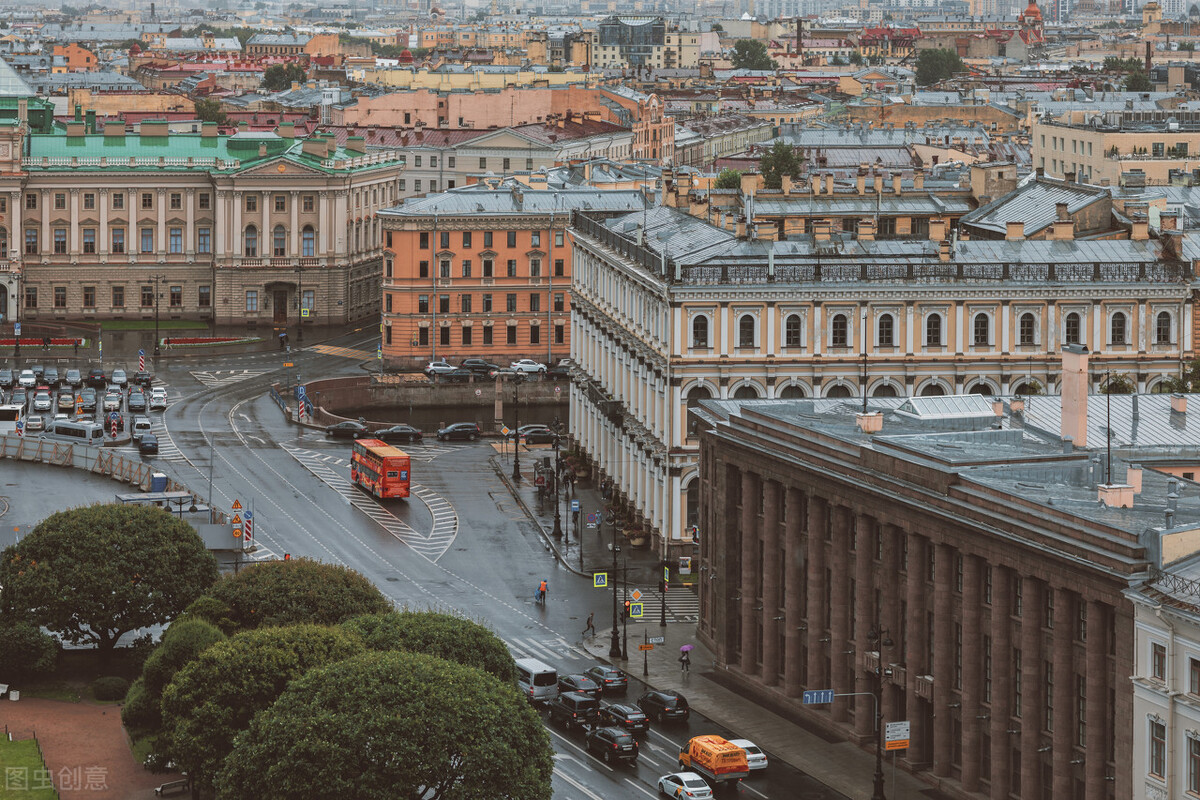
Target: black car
398,433
137,401
50,376
73,378
19,397
663,705
347,430
148,444
578,683
610,679
459,430
6,378
478,366
624,715
88,396
537,434
558,372
143,379
97,379
612,744
454,376
573,710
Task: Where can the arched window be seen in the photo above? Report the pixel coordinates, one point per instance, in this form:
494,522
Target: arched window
793,332
886,328
884,390
1162,328
695,395
279,241
1073,329
839,334
1025,332
745,392
746,331
980,388
839,390
700,332
933,330
792,390
251,242
982,330
1117,333
308,242
933,390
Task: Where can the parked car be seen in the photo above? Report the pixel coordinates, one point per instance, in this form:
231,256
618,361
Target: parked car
559,372
755,757
74,378
536,434
137,401
662,705
612,744
34,423
506,374
454,376
578,683
112,401
27,379
38,370
42,401
148,444
529,366
96,378
19,397
436,367
88,396
139,427
119,378
347,430
6,378
398,433
50,377
66,400
479,366
143,379
624,715
459,430
684,784
610,679
158,398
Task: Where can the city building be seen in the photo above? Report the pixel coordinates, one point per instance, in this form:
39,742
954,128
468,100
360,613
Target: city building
485,271
1105,149
643,42
668,310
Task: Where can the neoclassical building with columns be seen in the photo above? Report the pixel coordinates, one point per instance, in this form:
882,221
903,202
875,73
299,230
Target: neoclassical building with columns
668,310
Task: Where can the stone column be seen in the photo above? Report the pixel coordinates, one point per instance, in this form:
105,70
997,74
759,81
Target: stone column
294,225
323,243
103,245
160,230
771,564
818,650
189,242
1095,766
1033,695
943,655
889,574
972,679
220,226
1001,629
794,583
1121,725
864,619
74,245
839,633
914,642
1064,690
751,494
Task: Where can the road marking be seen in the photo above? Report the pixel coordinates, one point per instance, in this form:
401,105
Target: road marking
577,784
744,785
345,352
678,747
640,788
255,438
224,377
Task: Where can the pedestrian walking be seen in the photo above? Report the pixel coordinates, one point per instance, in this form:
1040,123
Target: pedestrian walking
685,662
541,593
76,347
591,626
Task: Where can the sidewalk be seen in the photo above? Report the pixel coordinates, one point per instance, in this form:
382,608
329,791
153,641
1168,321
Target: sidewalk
840,766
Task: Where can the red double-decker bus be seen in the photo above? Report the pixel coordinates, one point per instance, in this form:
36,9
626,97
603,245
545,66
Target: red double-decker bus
379,468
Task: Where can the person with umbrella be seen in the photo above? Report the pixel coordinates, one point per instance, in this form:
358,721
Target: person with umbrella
685,660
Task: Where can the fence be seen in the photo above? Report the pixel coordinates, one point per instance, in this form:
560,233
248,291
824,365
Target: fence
93,459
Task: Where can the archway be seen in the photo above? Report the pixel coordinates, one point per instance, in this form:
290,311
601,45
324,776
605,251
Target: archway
933,389
885,390
981,387
839,390
747,391
691,515
792,391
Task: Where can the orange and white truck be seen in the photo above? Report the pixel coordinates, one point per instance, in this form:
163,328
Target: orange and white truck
715,759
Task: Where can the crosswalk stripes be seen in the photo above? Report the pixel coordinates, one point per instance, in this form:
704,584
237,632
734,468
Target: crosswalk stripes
346,352
549,650
167,450
683,605
224,377
334,473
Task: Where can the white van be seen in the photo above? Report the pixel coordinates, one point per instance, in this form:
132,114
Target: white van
537,681
78,432
141,426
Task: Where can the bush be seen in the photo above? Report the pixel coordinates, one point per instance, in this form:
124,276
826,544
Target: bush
141,712
26,651
111,687
442,635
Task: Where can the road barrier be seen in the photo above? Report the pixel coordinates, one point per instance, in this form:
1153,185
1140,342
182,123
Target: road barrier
78,456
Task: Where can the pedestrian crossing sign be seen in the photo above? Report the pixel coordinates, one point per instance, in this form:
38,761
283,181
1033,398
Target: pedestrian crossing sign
599,580
635,610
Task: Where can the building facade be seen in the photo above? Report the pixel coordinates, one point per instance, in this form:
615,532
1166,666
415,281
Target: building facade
1105,149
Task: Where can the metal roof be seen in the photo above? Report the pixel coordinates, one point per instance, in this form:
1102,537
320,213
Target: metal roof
952,406
478,199
12,84
1035,204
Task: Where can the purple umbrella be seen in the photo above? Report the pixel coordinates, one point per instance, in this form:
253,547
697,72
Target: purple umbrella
687,647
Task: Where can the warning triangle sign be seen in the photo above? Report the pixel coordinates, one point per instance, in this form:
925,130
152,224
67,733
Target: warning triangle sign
237,505
237,519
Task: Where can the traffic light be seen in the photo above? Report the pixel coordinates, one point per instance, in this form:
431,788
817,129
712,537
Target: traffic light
287,556
626,611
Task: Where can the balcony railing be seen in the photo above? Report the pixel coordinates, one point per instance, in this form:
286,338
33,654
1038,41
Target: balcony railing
166,162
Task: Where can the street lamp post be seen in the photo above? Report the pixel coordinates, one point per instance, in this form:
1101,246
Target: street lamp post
879,637
17,326
625,605
300,303
157,280
614,649
516,473
558,529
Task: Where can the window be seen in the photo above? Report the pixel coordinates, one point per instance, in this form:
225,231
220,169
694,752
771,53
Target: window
1117,328
560,302
885,330
402,185
60,297
118,240
175,240
510,303
204,297
89,201
147,200
558,238
60,240
535,302
423,269
308,300
1193,757
1162,328
483,163
487,334
466,335
308,203
251,300
1072,329
250,248
535,335
424,239
487,236
89,240
1158,749
308,242
559,268
443,304
60,201
444,268
444,335
422,336
444,240
511,331
506,164
466,239
251,202
512,268
204,201
466,268
118,201
1025,329
487,304
535,239
176,201
31,200
147,296
417,161
512,236
118,296
466,303
1158,661
1080,711
281,202
204,240
147,240
535,267
793,334
839,333
423,304
279,241
450,162
89,297
1018,683
31,241
933,330
176,295
982,330
746,331
31,297
487,268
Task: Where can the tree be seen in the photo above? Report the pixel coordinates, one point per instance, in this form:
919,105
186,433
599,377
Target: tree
292,592
937,65
214,697
209,110
1188,381
1138,82
186,639
751,54
717,27
780,160
728,179
1117,384
383,726
280,76
856,58
837,61
452,638
25,650
95,573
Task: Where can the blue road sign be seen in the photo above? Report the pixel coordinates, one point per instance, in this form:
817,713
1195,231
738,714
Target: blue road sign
574,505
300,393
141,352
113,416
17,329
599,580
816,697
636,610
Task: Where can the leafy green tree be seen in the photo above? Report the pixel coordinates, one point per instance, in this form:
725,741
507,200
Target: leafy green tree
937,65
717,27
751,54
1115,64
729,179
279,77
442,635
25,650
209,110
389,726
186,639
1188,381
92,574
780,160
856,58
213,698
1138,82
300,591
1118,384
837,61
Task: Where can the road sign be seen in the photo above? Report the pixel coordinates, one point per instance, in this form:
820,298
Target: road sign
505,430
645,647
685,565
817,697
657,640
249,526
635,610
599,580
113,416
20,427
557,389
593,519
113,429
574,505
379,352
288,364
896,735
237,519
479,393
141,352
636,594
237,533
17,329
237,505
304,312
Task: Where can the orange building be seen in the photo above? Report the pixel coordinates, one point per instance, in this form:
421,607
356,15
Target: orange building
79,59
484,271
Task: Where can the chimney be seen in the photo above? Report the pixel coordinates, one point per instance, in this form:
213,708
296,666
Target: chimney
821,230
814,185
116,130
866,229
1133,477
1060,212
870,422
829,184
944,251
937,229
919,181
860,182
878,183
76,129
1140,230
896,183
1075,393
1178,403
154,127
740,228
286,130
356,144
1062,230
1116,495
1168,220
749,183
997,406
1014,232
262,149
208,130
1171,241
785,183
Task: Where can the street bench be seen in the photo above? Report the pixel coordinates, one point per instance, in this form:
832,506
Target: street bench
172,788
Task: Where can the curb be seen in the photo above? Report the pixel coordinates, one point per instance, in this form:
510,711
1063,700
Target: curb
549,539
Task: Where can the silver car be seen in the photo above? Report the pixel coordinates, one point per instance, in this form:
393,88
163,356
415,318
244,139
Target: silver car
112,401
42,402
